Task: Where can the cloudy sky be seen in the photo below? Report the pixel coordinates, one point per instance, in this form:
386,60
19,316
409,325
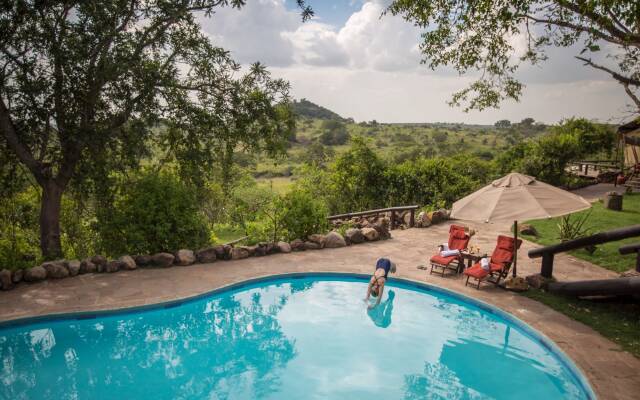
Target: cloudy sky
355,62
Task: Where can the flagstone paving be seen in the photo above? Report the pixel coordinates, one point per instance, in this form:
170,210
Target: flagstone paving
612,372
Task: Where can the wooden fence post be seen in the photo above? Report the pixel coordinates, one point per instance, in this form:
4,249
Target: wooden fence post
547,265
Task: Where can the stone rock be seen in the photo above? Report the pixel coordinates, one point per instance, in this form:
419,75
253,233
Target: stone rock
35,274
297,245
516,284
55,269
423,221
250,249
272,248
311,246
162,259
73,266
363,224
383,231
238,253
128,263
284,247
99,260
370,234
354,236
207,255
6,282
538,281
526,229
113,266
87,267
17,275
260,250
223,252
317,239
437,216
406,219
143,260
184,257
334,240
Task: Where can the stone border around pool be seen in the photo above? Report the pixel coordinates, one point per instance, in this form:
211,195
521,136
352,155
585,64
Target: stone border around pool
534,334
60,269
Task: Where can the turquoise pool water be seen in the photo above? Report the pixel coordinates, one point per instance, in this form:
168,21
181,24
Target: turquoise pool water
305,337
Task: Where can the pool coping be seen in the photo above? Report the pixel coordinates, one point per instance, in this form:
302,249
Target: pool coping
540,337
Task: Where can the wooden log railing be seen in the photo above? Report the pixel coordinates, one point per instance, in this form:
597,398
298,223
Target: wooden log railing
596,165
392,210
632,248
547,253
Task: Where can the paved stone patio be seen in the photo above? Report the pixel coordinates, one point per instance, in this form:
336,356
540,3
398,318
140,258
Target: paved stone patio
612,372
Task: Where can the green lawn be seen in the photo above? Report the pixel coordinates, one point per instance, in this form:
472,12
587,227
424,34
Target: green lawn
601,219
616,319
226,233
279,185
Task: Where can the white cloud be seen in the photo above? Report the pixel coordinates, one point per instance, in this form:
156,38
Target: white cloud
412,96
316,43
255,32
369,68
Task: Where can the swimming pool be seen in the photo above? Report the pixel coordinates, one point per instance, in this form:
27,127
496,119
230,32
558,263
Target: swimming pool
289,337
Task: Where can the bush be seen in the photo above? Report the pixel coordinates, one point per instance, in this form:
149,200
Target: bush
19,234
154,213
547,157
356,179
333,133
429,181
303,214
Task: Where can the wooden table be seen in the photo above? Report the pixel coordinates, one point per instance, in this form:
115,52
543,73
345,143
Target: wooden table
470,258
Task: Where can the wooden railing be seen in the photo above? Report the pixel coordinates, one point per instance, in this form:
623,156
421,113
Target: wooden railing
595,165
392,210
548,252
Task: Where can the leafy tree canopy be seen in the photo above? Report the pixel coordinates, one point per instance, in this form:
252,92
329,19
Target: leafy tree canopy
479,36
81,82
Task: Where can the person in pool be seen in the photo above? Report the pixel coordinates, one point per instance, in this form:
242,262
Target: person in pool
379,278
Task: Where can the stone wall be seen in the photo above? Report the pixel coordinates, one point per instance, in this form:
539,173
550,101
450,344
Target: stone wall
61,269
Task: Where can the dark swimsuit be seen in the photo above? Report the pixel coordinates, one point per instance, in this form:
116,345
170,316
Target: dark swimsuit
385,265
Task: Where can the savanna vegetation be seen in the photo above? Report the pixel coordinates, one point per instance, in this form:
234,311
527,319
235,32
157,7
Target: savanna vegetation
124,129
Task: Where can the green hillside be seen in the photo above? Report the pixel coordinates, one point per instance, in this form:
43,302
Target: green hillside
322,133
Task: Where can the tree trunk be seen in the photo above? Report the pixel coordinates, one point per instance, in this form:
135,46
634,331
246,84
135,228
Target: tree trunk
50,220
227,165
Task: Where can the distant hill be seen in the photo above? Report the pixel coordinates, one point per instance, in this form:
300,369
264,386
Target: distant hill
308,109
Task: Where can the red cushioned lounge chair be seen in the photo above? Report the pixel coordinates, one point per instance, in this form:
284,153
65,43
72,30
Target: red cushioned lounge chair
499,264
458,240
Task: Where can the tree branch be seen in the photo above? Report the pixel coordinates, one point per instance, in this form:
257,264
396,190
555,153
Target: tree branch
617,76
599,20
577,28
8,130
632,95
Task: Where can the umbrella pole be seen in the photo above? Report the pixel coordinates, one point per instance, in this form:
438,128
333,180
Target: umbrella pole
515,247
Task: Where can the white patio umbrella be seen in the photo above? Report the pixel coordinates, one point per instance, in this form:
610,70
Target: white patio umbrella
517,197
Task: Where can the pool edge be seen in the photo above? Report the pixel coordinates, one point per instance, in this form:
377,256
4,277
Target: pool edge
540,337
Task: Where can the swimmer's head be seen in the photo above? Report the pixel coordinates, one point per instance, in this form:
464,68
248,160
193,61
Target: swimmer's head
374,292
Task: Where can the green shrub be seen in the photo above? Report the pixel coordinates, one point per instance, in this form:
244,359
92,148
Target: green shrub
303,214
429,181
155,212
333,133
356,179
19,232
